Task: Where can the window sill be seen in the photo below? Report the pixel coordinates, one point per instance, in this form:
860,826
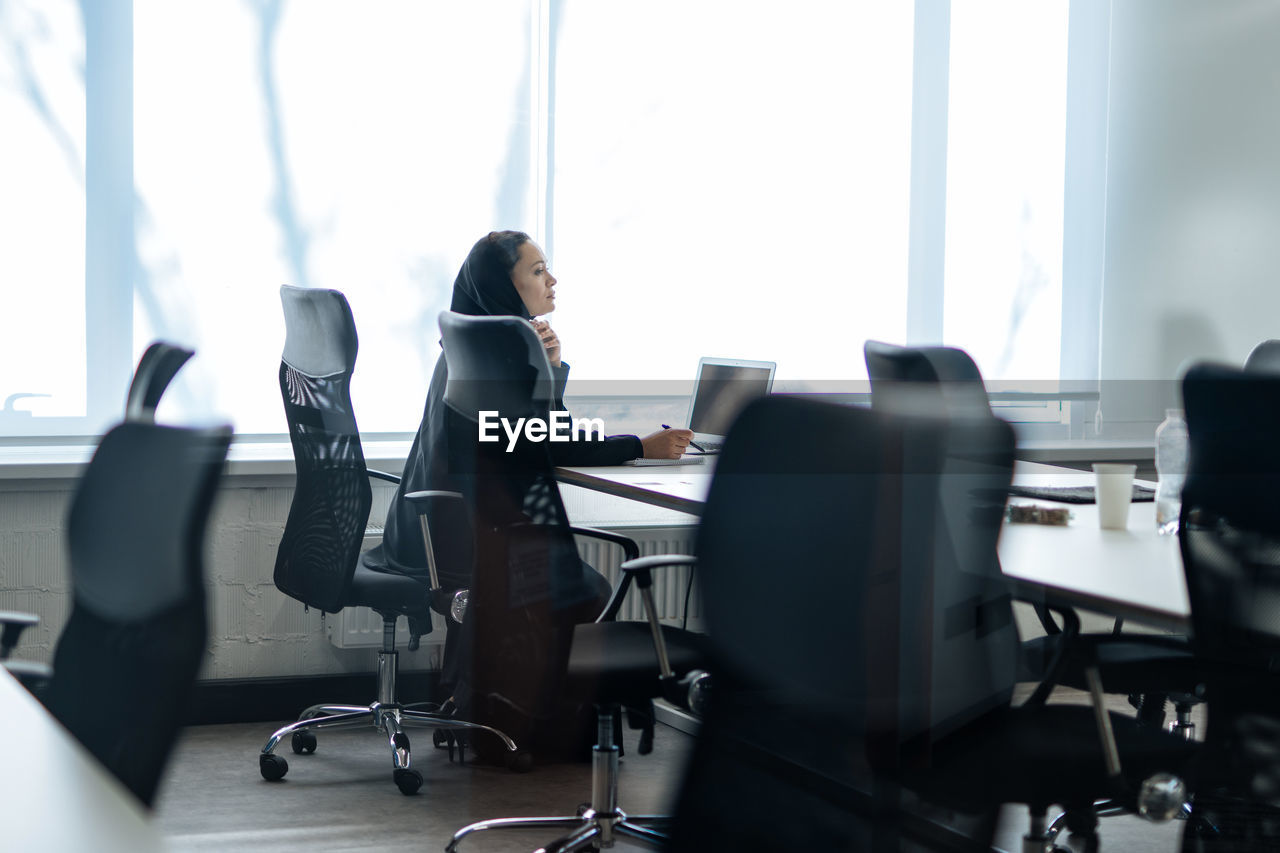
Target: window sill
26,464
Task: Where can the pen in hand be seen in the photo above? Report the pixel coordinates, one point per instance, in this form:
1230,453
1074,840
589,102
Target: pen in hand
692,444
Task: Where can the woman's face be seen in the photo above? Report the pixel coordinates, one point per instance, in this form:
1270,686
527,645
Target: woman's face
533,281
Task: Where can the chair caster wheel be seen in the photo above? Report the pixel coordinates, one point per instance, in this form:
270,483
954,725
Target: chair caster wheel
408,780
520,761
303,742
272,766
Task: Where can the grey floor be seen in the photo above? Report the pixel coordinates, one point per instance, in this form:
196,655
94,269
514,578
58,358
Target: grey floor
342,798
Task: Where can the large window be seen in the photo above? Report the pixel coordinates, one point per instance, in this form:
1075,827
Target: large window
1006,134
731,179
359,147
42,214
744,179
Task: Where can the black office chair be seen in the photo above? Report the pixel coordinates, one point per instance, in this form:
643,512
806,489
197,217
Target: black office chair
801,561
948,370
1230,541
1265,357
948,380
525,657
159,363
318,559
125,663
1148,668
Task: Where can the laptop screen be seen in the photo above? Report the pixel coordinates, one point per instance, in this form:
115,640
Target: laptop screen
723,388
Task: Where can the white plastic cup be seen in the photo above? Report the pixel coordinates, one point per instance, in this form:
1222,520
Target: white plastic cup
1114,491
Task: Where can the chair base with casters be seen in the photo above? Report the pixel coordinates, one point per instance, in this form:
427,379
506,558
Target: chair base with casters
319,561
386,715
614,659
596,825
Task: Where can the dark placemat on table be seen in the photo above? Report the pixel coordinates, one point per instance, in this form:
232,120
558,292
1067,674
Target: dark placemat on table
1076,494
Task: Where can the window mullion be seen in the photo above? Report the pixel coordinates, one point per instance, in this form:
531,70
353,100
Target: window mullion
928,217
110,248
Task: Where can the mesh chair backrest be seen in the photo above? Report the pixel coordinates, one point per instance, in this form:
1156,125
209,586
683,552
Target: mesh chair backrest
1230,531
952,371
159,364
127,659
1264,357
325,529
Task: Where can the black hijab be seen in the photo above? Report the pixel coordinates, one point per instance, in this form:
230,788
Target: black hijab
483,287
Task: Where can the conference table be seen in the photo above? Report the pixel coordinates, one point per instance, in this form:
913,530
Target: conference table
1134,573
56,795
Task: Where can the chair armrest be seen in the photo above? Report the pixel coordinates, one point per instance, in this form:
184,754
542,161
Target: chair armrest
14,622
657,561
1102,719
31,674
382,475
639,569
422,501
630,550
1070,630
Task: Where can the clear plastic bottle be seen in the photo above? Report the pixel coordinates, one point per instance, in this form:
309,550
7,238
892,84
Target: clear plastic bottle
1171,469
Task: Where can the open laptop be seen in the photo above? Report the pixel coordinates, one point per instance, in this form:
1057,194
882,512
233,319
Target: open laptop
722,388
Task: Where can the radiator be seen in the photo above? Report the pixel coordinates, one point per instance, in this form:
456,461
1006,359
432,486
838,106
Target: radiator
360,627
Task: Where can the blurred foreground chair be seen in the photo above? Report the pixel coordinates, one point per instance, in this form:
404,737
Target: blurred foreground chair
529,664
1230,540
806,595
318,562
156,368
125,663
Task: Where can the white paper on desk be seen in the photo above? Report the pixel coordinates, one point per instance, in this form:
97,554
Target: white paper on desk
683,460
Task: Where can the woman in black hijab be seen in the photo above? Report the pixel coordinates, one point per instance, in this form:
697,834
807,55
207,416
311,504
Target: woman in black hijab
505,274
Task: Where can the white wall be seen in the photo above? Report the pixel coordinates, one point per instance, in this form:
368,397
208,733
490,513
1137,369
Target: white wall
1193,187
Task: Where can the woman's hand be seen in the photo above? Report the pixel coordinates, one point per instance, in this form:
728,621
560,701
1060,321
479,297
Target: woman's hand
666,444
549,340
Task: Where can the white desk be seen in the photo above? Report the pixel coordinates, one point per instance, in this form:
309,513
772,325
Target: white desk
1134,573
679,487
56,796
